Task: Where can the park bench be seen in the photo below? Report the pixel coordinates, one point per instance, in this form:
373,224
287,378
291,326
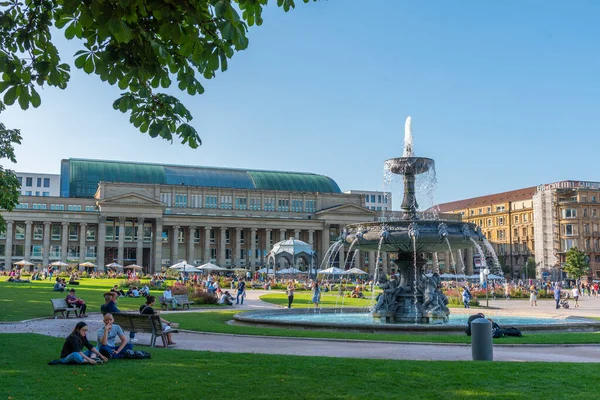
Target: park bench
182,300
61,306
143,323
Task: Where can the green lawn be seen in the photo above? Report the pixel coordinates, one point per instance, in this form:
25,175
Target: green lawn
327,300
20,301
216,322
178,374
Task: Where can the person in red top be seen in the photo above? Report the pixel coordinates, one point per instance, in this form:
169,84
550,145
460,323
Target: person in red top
74,301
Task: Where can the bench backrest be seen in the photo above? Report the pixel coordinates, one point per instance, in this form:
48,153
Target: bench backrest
181,298
142,323
59,303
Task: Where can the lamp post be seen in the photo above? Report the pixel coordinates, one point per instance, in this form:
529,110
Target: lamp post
486,272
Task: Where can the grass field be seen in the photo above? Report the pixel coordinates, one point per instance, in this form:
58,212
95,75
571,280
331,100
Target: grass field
216,322
303,299
177,374
20,301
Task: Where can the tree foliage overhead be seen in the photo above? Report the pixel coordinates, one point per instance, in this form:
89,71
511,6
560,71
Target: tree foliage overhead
577,263
139,45
9,185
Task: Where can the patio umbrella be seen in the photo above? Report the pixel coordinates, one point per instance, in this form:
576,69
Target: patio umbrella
23,263
114,265
291,270
210,267
356,271
87,264
183,266
59,264
331,271
133,266
264,270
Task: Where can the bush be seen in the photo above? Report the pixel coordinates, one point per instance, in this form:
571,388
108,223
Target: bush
200,296
127,283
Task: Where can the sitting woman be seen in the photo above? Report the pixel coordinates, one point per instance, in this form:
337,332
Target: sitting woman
72,351
148,309
357,293
133,292
145,291
74,301
118,291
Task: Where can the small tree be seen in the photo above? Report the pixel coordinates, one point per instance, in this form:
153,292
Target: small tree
576,264
530,267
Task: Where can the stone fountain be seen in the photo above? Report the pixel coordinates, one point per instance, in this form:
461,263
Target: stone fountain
414,297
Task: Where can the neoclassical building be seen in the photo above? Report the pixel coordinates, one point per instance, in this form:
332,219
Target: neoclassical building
155,215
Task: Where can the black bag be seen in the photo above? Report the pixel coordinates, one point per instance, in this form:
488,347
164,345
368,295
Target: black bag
471,319
512,331
136,355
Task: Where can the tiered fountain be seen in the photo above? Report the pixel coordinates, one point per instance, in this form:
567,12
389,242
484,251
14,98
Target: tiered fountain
415,297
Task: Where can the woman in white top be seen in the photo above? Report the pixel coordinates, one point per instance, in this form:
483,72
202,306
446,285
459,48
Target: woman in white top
575,293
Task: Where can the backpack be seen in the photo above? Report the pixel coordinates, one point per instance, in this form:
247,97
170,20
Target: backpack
136,355
512,331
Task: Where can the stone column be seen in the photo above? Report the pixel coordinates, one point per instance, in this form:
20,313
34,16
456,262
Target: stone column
268,232
8,246
469,262
221,246
64,241
311,238
46,249
27,249
459,263
190,249
236,258
251,259
206,244
82,232
281,235
325,243
448,263
101,240
372,263
139,251
121,243
175,244
158,228
297,234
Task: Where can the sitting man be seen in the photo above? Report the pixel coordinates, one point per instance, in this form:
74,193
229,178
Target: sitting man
145,291
59,286
166,325
133,292
118,291
106,339
110,307
226,298
74,301
168,296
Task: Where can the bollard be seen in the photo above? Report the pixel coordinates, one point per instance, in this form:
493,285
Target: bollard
482,346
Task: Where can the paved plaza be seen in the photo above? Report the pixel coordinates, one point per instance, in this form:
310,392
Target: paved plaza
187,340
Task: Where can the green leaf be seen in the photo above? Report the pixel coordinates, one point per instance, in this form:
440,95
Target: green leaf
88,67
80,61
35,98
70,31
24,98
11,95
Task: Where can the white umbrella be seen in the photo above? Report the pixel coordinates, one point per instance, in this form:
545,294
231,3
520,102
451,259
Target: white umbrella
88,264
184,266
59,264
290,271
23,263
356,271
264,270
492,276
331,271
448,276
210,267
133,266
114,265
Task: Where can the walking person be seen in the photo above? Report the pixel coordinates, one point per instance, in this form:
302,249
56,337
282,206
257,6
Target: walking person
575,293
290,293
557,295
316,299
533,295
241,292
466,295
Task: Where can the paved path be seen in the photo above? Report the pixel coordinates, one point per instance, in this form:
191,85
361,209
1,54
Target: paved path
347,348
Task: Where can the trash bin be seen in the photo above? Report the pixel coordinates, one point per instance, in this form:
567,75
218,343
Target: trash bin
482,346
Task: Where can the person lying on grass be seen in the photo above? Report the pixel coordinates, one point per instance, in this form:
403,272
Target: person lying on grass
107,336
166,325
72,351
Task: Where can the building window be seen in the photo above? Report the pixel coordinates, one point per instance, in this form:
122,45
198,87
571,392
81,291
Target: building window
38,232
45,194
594,213
593,199
297,205
74,207
586,228
55,232
213,254
23,206
226,202
569,230
499,208
90,208
569,213
227,236
180,238
110,230
46,182
242,237
29,182
516,232
372,198
90,233
37,193
38,206
241,203
166,198
587,244
211,201
28,193
255,203
55,251
57,207
284,205
516,219
500,220
489,222
471,212
73,229
19,231
165,235
181,200
567,244
196,235
148,232
480,211
500,234
269,204
228,254
39,182
585,212
195,201
129,231
37,250
212,237
72,252
90,251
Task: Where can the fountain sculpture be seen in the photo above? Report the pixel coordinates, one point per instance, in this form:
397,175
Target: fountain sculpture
414,297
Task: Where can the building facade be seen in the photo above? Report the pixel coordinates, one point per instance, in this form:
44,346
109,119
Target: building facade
35,184
375,200
156,215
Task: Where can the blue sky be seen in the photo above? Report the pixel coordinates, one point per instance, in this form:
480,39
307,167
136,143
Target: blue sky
503,95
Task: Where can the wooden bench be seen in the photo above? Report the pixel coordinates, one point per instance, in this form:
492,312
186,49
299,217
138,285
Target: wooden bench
61,306
182,300
142,323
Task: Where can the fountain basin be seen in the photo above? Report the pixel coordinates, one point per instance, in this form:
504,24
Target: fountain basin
397,235
409,165
357,320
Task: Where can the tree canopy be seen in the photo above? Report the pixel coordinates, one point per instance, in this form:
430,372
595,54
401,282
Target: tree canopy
139,45
577,263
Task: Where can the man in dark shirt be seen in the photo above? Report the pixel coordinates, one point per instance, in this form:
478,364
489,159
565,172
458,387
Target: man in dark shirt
147,309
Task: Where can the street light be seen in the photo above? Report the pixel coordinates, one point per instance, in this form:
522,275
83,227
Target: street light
486,272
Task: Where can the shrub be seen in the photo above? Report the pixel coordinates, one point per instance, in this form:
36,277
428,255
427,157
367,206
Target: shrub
127,283
179,289
200,296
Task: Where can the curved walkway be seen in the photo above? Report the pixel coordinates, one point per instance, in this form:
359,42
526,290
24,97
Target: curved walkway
187,340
